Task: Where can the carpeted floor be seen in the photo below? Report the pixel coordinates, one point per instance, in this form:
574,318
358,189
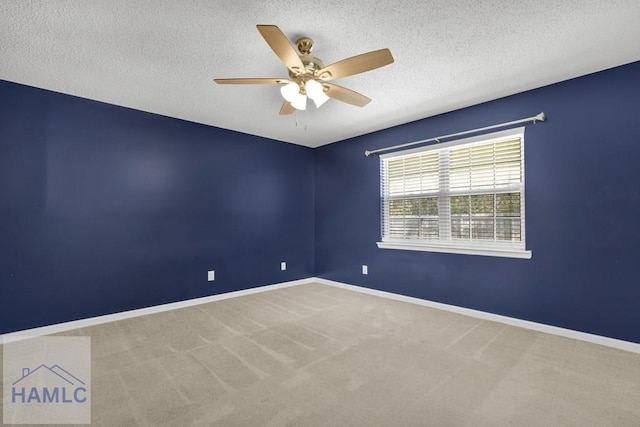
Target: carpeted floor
317,355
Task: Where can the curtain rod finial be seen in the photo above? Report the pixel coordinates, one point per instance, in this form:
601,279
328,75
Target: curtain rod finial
367,153
540,117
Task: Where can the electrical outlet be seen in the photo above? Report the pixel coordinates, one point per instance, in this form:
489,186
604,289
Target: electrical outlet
283,266
211,275
365,269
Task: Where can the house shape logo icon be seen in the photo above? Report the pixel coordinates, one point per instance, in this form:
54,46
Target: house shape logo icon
48,384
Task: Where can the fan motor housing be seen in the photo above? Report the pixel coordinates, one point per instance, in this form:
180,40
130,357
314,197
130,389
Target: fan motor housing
311,63
311,66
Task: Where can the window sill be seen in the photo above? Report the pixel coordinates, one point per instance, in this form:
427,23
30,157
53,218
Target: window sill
465,250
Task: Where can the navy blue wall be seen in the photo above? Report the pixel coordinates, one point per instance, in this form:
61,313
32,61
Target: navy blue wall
104,209
582,212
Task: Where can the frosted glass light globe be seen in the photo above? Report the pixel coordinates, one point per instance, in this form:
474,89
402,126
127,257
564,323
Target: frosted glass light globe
315,91
300,103
290,91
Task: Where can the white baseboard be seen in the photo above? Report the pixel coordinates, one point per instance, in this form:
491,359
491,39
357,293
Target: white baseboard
540,327
92,321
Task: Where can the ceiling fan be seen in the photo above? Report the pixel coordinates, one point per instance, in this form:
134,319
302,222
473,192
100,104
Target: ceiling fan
308,77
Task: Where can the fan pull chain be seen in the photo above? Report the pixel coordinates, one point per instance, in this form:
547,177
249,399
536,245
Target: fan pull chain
296,115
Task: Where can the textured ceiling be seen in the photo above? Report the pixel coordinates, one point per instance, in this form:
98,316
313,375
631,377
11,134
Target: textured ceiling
161,56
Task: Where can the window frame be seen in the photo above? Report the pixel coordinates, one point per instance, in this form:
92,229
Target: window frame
508,249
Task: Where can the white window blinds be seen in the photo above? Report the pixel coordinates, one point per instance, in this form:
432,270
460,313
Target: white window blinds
467,193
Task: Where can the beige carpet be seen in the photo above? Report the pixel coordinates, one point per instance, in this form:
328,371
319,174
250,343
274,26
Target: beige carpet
316,355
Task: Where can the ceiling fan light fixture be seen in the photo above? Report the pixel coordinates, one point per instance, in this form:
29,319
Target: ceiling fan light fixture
290,91
315,91
300,102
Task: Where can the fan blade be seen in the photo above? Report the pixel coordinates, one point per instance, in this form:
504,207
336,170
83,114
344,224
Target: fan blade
287,108
346,95
280,44
256,81
356,64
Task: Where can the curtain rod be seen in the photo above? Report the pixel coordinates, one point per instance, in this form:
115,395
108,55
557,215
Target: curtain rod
540,117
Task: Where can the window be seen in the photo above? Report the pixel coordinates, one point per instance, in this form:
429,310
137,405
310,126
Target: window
464,196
